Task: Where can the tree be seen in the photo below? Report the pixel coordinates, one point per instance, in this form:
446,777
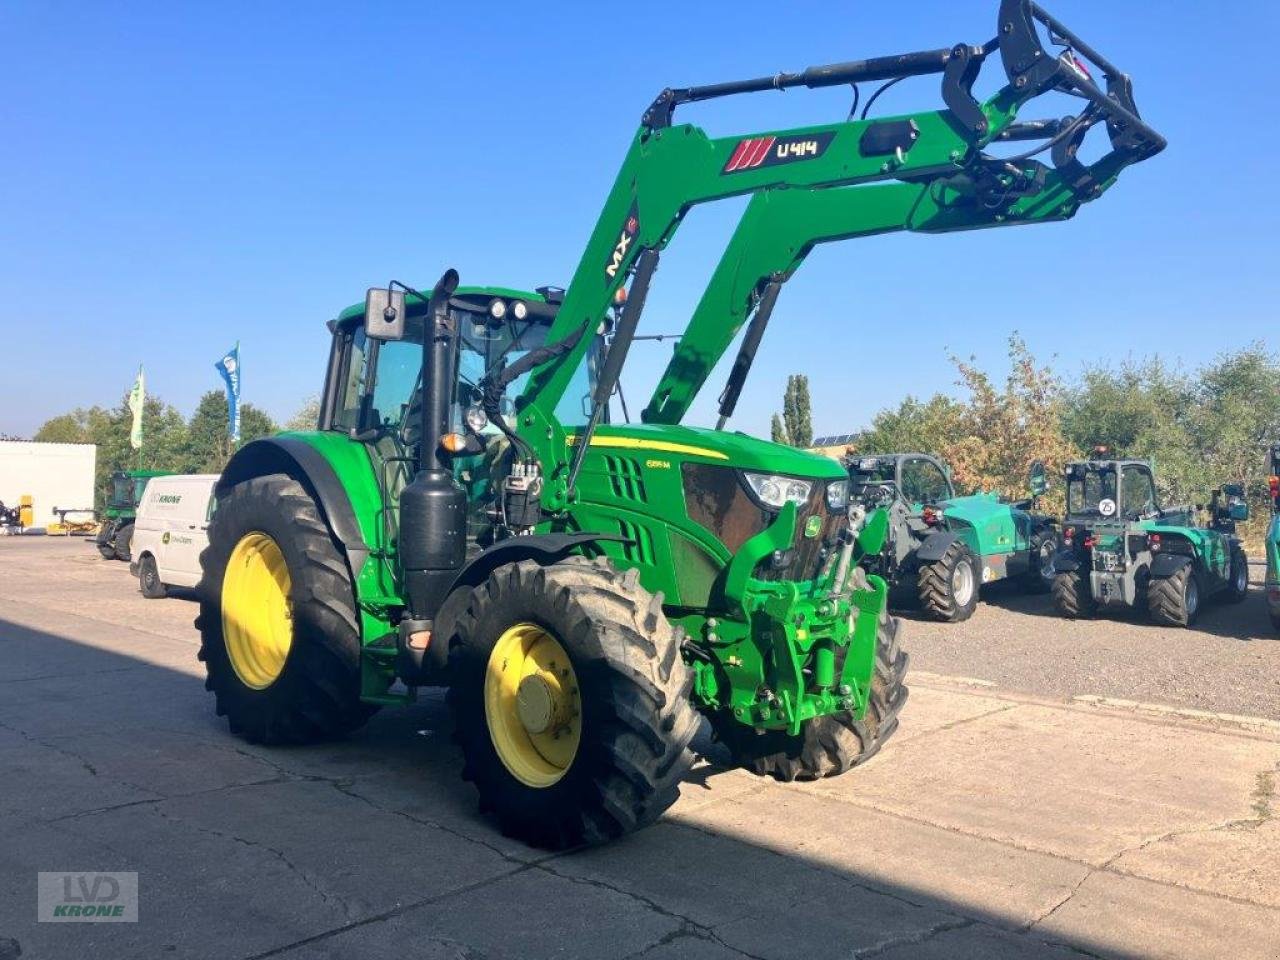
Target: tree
777,432
307,417
913,427
163,438
208,448
795,411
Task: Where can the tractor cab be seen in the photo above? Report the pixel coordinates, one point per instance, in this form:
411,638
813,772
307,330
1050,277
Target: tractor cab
1111,491
125,491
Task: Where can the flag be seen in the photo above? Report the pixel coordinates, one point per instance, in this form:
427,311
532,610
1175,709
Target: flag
229,367
137,397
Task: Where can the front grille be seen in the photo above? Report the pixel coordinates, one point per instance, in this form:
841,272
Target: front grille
809,554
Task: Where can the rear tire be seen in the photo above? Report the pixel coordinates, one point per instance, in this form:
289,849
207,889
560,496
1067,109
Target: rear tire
315,694
830,745
1174,601
630,687
949,586
1072,597
123,542
1238,589
149,579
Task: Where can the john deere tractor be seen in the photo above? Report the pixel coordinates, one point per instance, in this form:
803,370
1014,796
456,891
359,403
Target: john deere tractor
1273,540
115,536
1121,549
469,514
941,548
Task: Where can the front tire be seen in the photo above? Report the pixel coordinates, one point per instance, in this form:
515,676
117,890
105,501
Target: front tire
106,541
1174,601
279,635
830,745
949,586
570,702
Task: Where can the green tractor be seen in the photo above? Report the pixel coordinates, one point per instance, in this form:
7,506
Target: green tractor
1273,540
942,548
115,536
469,514
1120,548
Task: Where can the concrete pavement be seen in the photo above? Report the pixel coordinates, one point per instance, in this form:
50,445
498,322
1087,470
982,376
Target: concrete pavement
994,824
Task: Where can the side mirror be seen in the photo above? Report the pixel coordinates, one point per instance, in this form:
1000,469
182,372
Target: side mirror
1038,479
384,314
1238,510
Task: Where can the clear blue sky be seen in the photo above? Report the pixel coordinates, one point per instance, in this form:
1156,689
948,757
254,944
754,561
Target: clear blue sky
176,177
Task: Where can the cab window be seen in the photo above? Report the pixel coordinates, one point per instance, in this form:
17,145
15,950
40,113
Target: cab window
923,482
1138,492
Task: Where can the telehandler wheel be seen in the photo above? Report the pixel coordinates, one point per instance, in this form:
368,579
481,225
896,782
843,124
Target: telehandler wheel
1072,597
830,745
1043,545
1175,600
949,586
279,635
1238,589
124,542
570,701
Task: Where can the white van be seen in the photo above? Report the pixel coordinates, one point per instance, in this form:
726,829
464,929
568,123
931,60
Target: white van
171,530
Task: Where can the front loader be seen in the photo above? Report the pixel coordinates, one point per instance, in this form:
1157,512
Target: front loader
466,515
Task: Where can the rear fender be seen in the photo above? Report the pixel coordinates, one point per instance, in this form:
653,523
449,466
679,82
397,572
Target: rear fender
1167,564
304,463
1065,561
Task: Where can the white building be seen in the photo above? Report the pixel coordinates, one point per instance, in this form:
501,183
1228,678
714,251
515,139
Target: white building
54,474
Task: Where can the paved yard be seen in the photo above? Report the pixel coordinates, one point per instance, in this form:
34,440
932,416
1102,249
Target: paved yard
1029,818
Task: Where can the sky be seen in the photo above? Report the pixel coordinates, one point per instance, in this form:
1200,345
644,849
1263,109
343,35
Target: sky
177,177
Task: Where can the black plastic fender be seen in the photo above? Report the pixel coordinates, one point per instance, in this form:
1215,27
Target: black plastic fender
1065,561
1167,564
545,548
935,545
307,465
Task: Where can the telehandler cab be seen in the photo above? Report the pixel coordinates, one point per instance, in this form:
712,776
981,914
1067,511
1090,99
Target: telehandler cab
466,515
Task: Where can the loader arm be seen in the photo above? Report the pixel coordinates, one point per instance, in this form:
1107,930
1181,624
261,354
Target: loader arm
669,169
780,227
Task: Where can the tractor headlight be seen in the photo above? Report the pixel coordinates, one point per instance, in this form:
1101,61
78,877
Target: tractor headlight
497,308
838,495
476,418
775,491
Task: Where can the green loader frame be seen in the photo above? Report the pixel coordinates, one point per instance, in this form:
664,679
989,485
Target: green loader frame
583,588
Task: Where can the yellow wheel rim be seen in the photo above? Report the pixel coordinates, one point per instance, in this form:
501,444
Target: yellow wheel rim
532,705
257,621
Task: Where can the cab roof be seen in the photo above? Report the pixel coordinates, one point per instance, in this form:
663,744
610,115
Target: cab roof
480,296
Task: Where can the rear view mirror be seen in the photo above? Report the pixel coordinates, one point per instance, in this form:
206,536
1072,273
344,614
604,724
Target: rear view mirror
1239,510
384,314
1038,479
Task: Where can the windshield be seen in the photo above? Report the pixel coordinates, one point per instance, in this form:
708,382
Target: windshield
484,345
1091,490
